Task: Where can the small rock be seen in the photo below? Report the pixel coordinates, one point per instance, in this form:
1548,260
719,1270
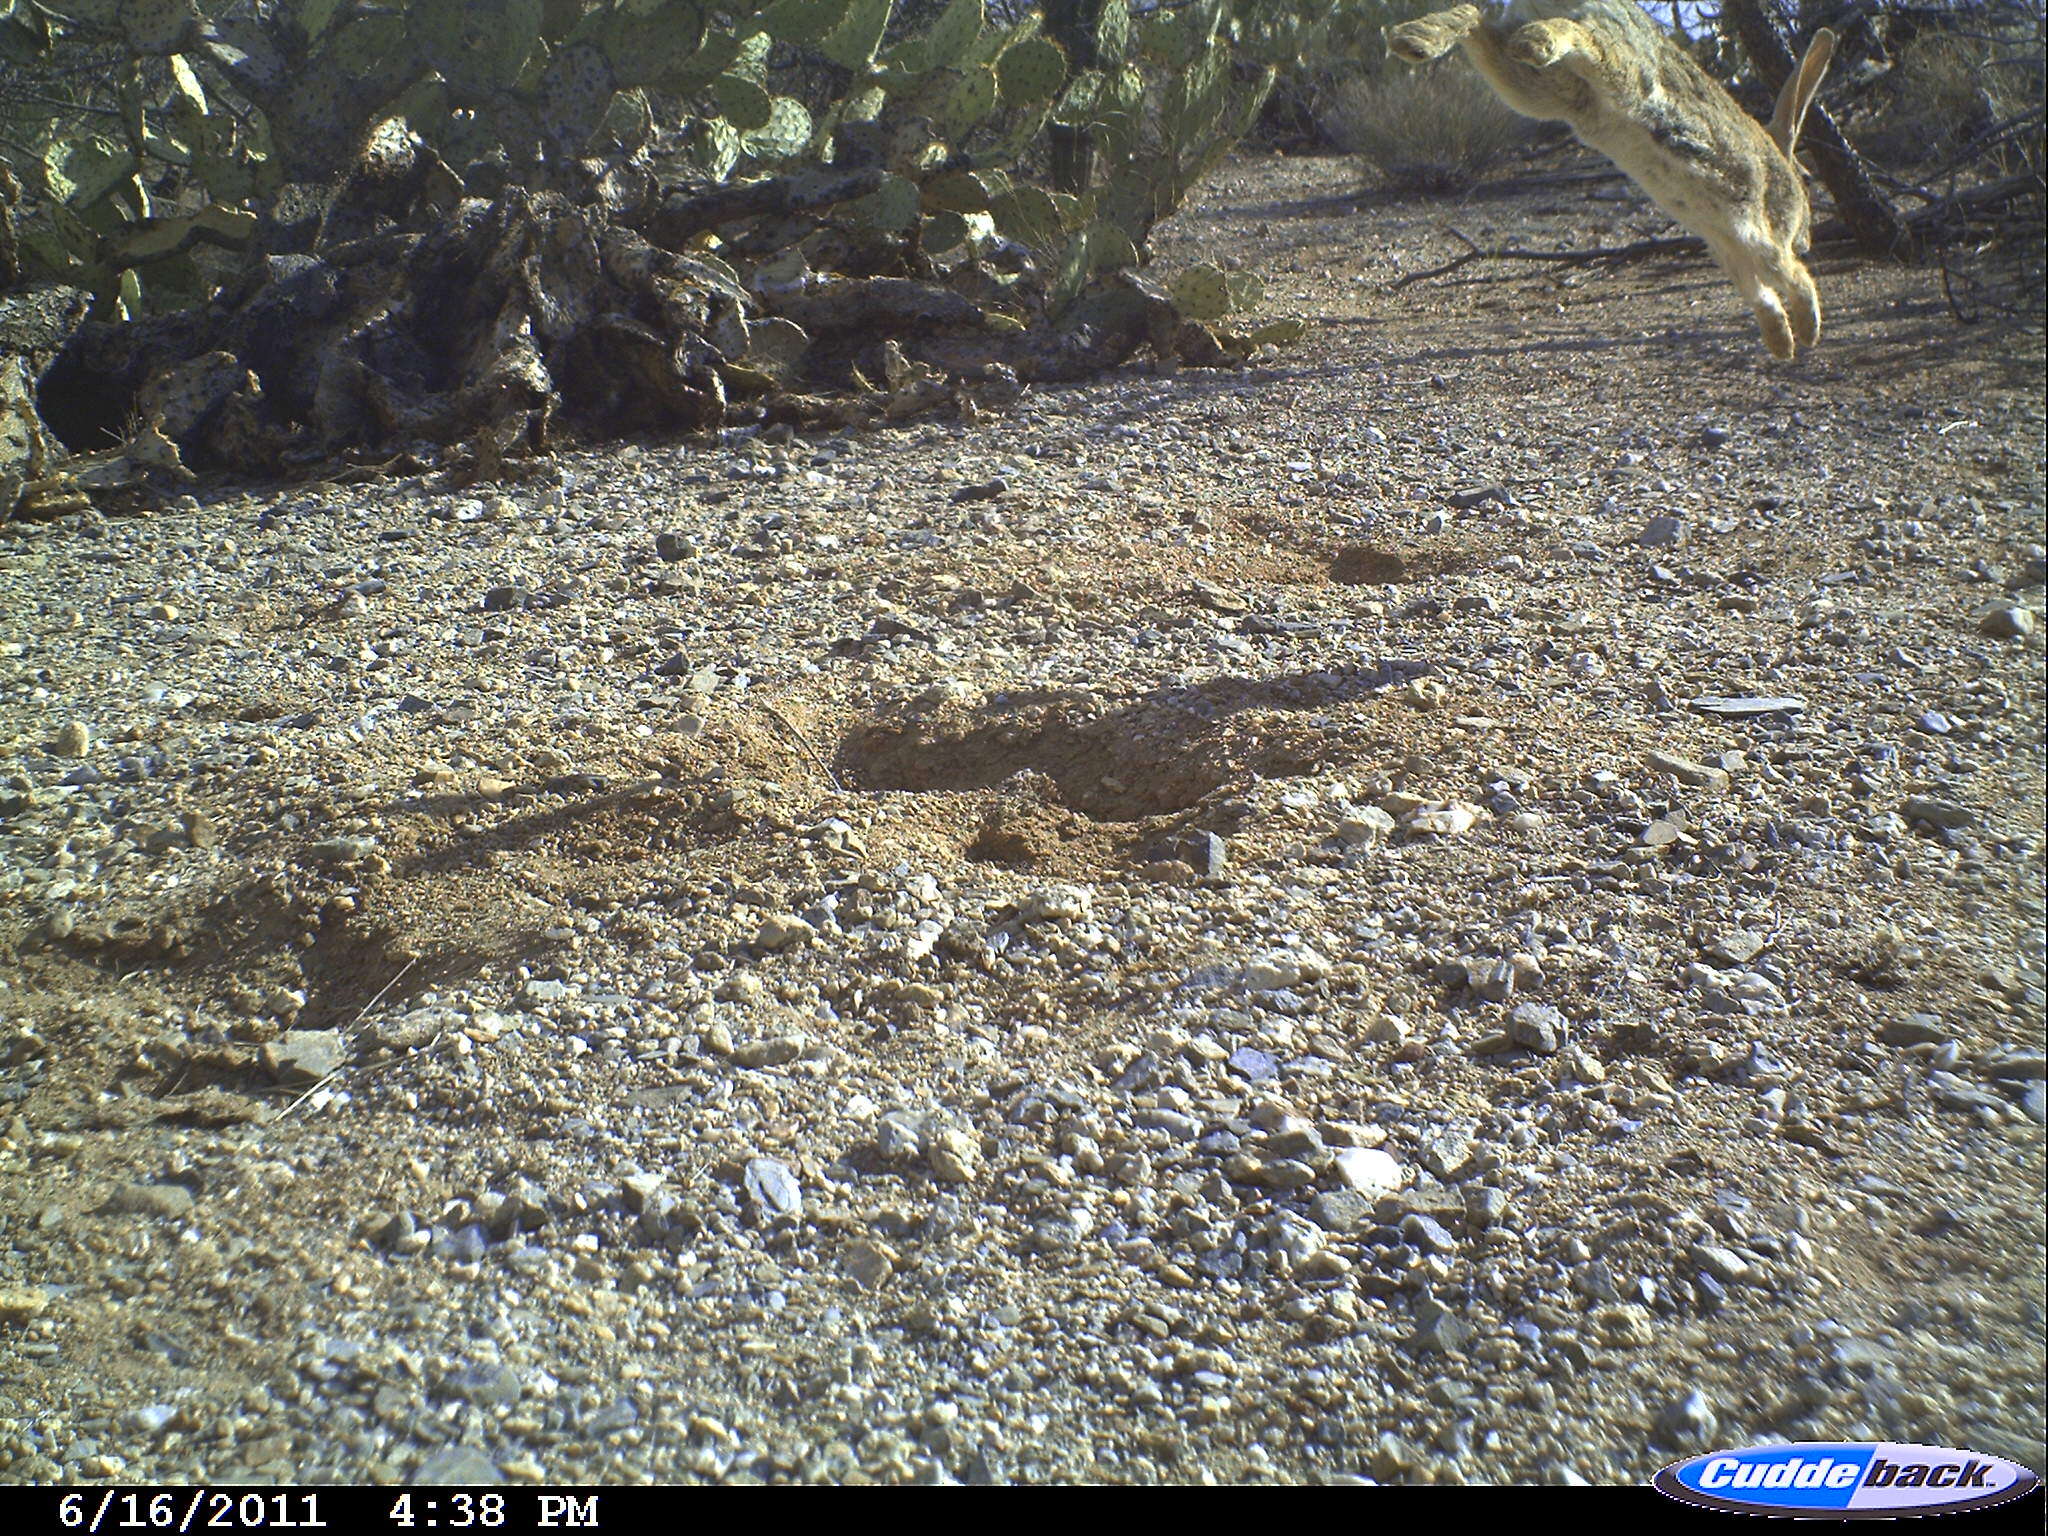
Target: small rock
74,740
1699,775
951,1154
1281,968
505,599
2008,621
1452,819
781,931
870,1262
1738,946
22,1304
1537,1027
164,1201
457,1466
769,1053
1207,854
1341,1210
1369,1171
773,1189
1662,532
1937,813
1055,902
1438,1329
1914,1029
1689,1421
1724,1264
1747,708
305,1055
342,850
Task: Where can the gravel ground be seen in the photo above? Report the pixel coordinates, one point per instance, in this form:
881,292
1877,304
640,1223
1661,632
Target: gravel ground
1464,906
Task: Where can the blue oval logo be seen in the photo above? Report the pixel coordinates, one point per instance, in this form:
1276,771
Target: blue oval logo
1846,1480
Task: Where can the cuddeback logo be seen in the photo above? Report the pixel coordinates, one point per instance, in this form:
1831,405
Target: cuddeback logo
1846,1481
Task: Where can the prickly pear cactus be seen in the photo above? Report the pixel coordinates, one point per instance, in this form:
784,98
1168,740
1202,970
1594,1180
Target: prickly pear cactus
1202,292
1031,72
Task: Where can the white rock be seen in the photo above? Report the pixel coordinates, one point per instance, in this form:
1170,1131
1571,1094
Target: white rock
1370,1171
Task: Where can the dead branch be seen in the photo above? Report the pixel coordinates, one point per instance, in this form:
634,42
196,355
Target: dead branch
1673,245
682,215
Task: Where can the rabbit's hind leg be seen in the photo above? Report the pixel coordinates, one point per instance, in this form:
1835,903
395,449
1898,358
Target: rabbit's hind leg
1750,268
1432,36
1802,302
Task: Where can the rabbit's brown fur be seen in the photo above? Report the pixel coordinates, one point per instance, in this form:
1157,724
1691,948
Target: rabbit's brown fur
1630,92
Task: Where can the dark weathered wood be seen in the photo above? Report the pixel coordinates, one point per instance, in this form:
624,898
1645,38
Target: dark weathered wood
1074,24
684,215
1868,213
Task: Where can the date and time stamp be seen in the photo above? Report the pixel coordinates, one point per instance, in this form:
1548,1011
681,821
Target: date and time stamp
190,1511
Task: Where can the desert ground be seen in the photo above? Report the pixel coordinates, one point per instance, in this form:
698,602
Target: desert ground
1460,904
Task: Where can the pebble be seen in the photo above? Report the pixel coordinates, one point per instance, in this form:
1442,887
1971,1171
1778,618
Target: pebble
1662,532
1937,813
73,740
457,1466
1452,819
1737,946
1369,1171
22,1303
306,1055
1537,1027
773,1188
1914,1029
2008,621
783,931
1689,1422
164,1201
1747,708
871,1262
1699,775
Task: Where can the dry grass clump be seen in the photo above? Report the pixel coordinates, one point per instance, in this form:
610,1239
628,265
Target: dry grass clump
1437,128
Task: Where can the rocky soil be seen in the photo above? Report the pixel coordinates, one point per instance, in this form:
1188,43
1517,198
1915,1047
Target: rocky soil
1464,905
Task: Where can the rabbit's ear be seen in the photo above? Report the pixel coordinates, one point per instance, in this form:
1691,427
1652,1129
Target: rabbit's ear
1799,91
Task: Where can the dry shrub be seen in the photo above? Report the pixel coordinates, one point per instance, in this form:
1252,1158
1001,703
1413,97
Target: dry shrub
1956,83
1435,128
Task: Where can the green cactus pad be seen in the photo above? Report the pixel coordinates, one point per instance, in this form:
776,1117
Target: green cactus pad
714,147
953,34
730,332
1031,72
157,26
967,101
1029,214
852,44
660,50
1113,31
1276,333
786,134
744,104
957,192
574,92
891,207
477,45
1077,102
943,231
1247,291
804,21
1202,293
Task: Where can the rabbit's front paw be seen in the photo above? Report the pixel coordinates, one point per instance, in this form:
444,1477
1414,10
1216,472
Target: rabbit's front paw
1542,44
1430,37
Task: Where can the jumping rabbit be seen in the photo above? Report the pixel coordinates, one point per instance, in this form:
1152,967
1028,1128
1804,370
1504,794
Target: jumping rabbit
1630,92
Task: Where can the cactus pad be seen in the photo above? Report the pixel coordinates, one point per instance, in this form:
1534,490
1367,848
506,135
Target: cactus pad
1202,292
1031,72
